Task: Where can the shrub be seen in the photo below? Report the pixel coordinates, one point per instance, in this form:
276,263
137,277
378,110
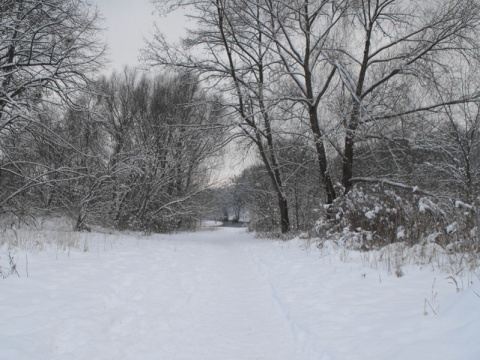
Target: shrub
373,217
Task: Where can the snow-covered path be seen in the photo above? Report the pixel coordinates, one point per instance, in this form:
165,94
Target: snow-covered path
226,295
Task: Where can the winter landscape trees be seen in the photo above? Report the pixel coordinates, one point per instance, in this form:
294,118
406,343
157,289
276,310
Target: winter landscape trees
359,123
47,51
373,88
164,133
331,95
128,150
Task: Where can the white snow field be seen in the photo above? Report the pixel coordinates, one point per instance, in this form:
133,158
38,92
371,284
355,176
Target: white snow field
226,295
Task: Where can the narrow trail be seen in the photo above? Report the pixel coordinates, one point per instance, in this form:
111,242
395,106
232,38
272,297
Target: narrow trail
203,296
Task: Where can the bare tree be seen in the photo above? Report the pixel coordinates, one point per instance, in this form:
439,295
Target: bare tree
394,51
450,146
301,30
162,134
48,47
368,79
238,63
48,50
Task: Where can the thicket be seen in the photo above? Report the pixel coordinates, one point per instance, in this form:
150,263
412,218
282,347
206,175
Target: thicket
138,154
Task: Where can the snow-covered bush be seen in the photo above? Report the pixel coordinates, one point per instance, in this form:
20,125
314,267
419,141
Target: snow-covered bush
373,217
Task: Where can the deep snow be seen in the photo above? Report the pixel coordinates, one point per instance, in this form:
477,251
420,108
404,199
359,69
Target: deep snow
226,295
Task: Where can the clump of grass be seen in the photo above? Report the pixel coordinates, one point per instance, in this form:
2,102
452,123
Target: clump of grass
431,302
276,235
11,269
393,258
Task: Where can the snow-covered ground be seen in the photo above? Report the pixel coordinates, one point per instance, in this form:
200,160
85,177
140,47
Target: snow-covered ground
226,295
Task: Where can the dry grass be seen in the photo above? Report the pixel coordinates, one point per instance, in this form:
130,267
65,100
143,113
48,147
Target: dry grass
460,267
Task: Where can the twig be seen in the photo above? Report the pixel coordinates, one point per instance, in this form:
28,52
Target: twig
425,308
26,263
13,265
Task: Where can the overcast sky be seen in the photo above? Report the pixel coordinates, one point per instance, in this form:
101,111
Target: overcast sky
128,22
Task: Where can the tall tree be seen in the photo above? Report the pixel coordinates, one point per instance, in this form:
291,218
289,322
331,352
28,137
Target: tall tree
301,31
393,53
239,64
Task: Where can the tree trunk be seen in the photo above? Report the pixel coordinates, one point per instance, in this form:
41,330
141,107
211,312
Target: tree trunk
284,219
347,161
321,156
274,173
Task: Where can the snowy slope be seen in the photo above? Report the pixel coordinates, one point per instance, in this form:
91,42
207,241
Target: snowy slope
226,295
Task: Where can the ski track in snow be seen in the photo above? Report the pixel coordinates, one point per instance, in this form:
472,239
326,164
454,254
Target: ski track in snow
228,296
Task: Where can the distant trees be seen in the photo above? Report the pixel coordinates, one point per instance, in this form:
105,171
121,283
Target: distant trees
137,153
146,147
252,195
163,134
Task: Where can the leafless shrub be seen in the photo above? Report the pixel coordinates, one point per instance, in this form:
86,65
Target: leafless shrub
375,217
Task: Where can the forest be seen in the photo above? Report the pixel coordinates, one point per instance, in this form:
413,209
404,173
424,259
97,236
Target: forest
359,120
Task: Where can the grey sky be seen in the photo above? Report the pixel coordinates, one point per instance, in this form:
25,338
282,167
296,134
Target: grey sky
128,22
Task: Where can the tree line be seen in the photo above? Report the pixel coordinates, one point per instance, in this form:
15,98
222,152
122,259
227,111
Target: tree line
127,150
383,95
362,115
